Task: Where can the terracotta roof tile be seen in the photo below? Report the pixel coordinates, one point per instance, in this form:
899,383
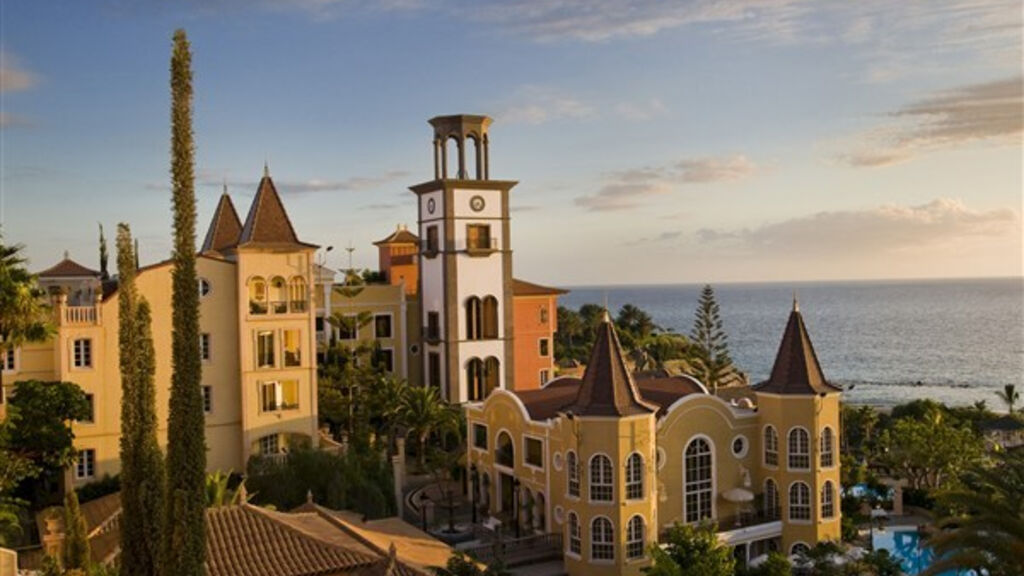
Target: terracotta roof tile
796,369
68,268
524,288
560,394
400,236
607,387
267,223
225,228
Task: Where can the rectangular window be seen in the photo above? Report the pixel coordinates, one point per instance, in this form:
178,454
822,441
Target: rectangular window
386,359
543,314
265,349
292,348
544,377
91,401
319,323
207,399
204,346
434,369
534,452
382,326
478,237
270,444
545,347
83,353
433,326
480,436
431,243
8,360
279,395
348,328
85,467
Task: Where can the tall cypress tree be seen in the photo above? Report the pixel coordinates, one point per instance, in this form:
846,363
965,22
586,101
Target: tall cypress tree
142,467
76,537
709,353
185,533
104,274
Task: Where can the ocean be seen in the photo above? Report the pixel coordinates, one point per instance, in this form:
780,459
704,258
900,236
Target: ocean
887,342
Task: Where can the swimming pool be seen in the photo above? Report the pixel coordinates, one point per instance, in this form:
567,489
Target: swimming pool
905,543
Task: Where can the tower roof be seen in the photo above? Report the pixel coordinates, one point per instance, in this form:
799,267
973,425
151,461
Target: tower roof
796,369
225,228
607,388
267,223
401,235
68,268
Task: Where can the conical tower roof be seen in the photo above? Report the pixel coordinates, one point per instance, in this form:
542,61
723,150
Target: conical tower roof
225,228
796,369
607,388
267,223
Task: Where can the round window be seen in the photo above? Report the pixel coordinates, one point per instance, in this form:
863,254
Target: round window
739,446
415,349
557,460
430,206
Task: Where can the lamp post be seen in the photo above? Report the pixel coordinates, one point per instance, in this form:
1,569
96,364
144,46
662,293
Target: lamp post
474,481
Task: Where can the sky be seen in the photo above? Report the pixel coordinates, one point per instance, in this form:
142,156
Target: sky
653,141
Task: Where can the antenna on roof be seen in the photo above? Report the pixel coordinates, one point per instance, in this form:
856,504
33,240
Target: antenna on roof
225,185
796,303
266,169
66,255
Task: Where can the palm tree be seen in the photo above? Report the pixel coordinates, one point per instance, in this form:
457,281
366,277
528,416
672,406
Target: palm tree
1009,396
986,530
24,313
424,412
219,493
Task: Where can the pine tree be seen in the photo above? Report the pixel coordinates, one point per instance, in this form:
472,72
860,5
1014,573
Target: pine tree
709,353
104,275
76,535
142,471
185,532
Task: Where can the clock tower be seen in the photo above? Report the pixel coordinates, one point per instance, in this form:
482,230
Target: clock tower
465,263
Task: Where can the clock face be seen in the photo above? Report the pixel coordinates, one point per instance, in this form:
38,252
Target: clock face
430,206
476,203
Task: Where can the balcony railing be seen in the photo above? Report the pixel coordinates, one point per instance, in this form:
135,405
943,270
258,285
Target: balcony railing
260,307
749,518
79,315
481,246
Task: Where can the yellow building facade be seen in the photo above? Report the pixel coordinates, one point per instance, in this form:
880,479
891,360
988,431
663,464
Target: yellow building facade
257,342
610,463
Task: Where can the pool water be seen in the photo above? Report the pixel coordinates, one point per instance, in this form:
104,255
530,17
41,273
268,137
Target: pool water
904,543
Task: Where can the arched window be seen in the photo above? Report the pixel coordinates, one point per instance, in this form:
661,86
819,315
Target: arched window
575,538
572,474
278,295
771,500
828,502
492,374
506,452
473,319
828,458
602,488
490,313
799,449
771,446
799,501
635,477
297,294
602,539
799,549
475,379
635,537
257,295
698,487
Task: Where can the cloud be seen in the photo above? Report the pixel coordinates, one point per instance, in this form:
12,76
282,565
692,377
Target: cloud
380,206
648,110
542,104
663,237
629,189
887,228
991,112
14,78
208,179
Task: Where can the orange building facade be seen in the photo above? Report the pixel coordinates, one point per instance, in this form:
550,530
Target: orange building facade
535,310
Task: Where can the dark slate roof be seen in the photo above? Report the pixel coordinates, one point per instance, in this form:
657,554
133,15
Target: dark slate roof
225,228
796,370
524,288
68,268
267,223
401,235
607,387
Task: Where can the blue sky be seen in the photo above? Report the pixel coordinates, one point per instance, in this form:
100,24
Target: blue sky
654,141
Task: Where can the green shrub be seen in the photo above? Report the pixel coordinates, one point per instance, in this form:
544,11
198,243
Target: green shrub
95,490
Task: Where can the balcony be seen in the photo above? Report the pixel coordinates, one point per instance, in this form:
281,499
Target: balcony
262,307
750,525
79,316
481,246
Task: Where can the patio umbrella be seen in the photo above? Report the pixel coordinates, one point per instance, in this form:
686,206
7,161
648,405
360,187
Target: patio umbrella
738,495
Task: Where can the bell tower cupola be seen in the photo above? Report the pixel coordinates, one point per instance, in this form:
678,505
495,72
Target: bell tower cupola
461,147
